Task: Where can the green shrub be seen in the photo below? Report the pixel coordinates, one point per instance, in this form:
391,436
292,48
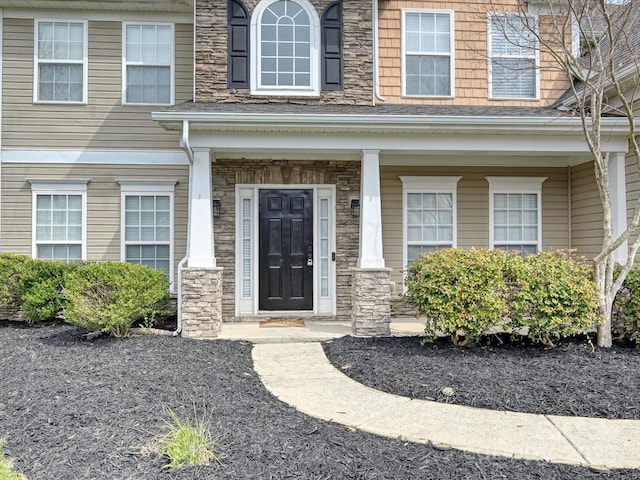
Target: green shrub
11,266
626,324
467,293
111,296
40,287
34,286
461,292
555,297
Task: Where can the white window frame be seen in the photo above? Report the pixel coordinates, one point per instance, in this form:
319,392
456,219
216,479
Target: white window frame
535,55
256,52
515,185
452,56
37,61
435,184
126,63
149,187
58,187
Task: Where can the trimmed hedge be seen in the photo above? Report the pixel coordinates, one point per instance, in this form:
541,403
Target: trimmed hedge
111,296
469,293
33,286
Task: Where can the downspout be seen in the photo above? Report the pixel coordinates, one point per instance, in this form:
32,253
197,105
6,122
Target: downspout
569,207
376,83
187,149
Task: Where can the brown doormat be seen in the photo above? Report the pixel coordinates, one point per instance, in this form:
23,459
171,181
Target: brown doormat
281,323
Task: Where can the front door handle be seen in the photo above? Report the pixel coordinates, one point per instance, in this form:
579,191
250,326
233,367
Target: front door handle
309,262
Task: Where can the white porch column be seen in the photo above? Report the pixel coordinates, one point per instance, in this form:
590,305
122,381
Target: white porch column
201,250
618,191
370,253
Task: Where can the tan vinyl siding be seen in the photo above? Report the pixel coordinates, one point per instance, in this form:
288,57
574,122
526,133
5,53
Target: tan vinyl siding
104,123
586,221
103,204
633,183
471,82
473,207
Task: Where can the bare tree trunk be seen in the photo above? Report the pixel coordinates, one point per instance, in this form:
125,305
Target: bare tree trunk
604,329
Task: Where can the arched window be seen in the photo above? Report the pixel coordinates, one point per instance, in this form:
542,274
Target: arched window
285,48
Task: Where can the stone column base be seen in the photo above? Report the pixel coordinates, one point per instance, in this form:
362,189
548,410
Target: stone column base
371,302
201,302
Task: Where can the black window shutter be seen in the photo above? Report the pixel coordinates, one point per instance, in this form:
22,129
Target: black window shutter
238,48
332,47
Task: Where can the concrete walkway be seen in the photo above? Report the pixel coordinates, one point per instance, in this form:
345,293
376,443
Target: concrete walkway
300,374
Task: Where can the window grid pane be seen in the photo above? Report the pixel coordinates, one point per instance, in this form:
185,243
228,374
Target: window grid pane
60,61
513,62
147,230
285,44
428,50
429,223
148,58
58,228
515,221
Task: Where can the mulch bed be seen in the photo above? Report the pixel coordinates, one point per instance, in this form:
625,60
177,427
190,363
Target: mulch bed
575,378
75,409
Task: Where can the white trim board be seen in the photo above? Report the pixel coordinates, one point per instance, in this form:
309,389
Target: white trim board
107,157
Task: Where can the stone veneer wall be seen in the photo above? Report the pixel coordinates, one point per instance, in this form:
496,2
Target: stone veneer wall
201,302
371,306
345,175
211,56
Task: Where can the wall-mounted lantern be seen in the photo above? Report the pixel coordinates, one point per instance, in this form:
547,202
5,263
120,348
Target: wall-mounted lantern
217,207
355,207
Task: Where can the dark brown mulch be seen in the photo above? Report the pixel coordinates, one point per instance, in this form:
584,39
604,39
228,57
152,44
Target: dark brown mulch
572,379
72,409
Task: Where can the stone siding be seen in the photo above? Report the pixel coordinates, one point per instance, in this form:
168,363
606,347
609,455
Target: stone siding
211,56
201,302
371,306
344,175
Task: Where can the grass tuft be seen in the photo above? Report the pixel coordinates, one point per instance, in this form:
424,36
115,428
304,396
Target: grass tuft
187,443
6,467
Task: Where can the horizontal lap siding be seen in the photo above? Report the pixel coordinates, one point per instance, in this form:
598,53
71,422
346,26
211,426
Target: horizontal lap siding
586,224
103,204
633,184
473,207
104,123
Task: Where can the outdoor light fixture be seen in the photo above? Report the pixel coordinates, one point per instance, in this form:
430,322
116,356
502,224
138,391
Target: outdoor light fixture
217,207
355,207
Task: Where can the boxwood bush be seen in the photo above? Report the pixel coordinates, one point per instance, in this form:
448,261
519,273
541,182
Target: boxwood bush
111,296
34,287
466,294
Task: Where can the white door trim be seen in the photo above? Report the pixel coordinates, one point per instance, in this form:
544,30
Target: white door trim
247,255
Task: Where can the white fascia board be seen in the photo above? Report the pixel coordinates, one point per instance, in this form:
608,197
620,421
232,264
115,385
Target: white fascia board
391,123
401,142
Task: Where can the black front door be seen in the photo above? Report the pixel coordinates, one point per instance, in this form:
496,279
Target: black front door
286,250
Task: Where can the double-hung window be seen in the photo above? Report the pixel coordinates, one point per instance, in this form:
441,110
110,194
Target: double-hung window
147,223
429,215
148,66
59,219
513,57
286,35
60,70
515,213
428,59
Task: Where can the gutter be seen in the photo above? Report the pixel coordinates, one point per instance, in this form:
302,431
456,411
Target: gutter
376,56
187,149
